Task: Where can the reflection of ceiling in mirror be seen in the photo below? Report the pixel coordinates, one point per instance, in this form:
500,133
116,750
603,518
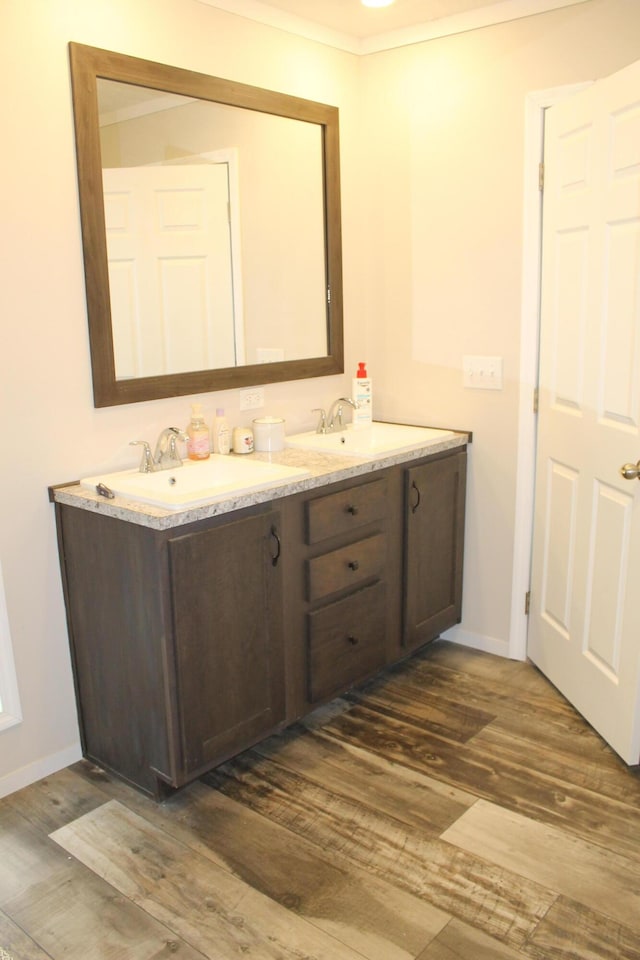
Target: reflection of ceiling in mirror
118,101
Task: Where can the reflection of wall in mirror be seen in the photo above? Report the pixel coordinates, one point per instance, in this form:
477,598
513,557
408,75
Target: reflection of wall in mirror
281,215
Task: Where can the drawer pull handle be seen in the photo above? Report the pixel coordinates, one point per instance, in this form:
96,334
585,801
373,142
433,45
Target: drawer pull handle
276,556
353,640
416,504
353,510
353,564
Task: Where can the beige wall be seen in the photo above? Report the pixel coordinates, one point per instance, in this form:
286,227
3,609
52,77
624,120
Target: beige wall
432,158
52,431
445,136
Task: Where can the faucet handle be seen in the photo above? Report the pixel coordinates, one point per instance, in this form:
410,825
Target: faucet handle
335,413
174,436
165,453
322,420
146,463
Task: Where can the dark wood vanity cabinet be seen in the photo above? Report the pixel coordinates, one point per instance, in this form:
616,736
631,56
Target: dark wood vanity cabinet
433,547
191,644
176,640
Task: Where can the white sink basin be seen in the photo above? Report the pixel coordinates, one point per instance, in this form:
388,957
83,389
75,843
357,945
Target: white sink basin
373,441
196,482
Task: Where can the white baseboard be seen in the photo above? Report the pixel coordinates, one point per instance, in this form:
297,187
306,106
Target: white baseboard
478,641
44,767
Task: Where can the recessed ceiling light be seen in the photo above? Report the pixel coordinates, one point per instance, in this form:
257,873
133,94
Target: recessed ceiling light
376,3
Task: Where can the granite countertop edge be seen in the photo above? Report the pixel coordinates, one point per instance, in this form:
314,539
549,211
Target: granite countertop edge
324,469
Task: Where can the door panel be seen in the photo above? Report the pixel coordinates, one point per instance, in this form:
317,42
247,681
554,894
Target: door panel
559,548
584,631
607,575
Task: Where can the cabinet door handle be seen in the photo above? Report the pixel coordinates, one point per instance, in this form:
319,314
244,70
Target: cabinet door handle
353,564
276,556
353,640
416,504
353,510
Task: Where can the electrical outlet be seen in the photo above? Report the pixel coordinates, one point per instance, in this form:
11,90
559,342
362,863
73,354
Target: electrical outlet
252,398
482,373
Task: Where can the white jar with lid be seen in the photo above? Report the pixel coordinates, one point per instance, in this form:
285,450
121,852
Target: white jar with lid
268,434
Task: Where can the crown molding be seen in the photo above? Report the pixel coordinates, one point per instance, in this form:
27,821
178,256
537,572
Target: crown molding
273,17
502,11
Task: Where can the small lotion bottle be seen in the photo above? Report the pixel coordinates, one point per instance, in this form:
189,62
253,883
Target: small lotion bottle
362,393
221,433
198,434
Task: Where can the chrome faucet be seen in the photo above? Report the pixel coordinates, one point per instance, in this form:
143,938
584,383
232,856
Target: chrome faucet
166,456
322,420
334,419
146,464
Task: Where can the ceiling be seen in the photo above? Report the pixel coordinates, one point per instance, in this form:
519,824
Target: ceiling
351,17
349,25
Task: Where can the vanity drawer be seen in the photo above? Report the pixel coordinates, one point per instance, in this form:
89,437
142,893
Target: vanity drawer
347,567
346,641
345,510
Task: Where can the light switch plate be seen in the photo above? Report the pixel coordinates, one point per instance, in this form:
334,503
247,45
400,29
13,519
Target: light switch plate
482,373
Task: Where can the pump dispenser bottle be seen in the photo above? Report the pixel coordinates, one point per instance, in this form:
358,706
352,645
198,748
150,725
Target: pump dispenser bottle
198,434
362,393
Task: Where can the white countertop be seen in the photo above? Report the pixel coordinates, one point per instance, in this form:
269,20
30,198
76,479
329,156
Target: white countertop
324,468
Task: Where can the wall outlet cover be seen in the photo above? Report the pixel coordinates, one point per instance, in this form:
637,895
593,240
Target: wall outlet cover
252,399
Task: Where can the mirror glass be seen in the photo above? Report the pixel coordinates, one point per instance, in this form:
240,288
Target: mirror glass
211,230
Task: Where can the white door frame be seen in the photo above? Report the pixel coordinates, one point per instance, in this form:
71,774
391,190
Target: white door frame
535,106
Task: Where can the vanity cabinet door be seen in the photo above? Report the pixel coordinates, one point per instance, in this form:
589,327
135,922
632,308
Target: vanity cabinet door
433,552
227,607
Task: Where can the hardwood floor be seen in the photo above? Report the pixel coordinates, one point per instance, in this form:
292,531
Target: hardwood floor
456,807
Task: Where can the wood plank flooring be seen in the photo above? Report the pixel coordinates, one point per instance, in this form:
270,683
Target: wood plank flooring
456,807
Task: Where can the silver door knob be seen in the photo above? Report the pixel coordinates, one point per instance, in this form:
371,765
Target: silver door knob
631,471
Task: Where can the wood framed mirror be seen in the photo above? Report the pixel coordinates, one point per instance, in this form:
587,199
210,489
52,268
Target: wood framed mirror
182,300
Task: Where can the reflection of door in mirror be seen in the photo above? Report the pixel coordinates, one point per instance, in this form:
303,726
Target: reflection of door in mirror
180,267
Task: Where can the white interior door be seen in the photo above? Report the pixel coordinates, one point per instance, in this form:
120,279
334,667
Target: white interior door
170,283
584,630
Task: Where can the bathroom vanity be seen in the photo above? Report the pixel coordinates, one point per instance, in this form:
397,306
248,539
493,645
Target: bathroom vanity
196,633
